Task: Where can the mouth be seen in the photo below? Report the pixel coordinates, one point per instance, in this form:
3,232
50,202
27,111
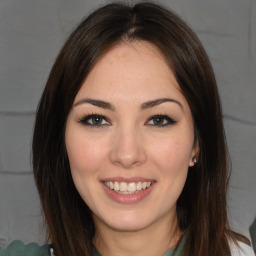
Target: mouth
128,188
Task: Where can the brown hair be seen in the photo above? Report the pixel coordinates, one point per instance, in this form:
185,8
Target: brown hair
201,208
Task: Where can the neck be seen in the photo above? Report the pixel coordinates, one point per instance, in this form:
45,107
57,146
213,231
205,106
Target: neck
154,240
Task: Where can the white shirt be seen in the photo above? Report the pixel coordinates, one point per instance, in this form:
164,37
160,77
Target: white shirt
244,250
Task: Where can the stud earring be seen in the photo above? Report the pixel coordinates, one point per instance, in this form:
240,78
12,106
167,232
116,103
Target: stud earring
194,159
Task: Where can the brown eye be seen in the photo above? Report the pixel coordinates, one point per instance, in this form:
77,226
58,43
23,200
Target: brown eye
94,120
160,121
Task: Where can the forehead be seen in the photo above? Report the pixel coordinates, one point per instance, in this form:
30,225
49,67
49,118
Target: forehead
134,69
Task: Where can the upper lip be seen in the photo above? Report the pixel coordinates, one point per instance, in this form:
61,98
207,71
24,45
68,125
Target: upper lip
128,180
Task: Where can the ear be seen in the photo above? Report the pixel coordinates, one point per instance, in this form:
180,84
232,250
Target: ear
194,154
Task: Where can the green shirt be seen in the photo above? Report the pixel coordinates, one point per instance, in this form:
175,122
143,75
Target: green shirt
18,248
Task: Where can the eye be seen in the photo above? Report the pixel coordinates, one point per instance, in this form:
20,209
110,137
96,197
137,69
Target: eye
94,120
160,120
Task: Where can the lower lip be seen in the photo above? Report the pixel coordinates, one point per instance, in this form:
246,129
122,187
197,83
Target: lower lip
128,198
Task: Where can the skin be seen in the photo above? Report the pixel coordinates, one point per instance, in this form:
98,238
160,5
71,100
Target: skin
128,143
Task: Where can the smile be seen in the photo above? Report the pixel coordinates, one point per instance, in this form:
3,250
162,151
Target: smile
128,188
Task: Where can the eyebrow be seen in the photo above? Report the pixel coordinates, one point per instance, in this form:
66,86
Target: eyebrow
146,105
97,103
153,103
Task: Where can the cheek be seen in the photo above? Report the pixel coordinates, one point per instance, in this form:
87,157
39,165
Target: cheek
173,156
83,153
85,157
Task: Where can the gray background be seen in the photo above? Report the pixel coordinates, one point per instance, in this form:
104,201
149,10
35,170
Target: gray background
31,34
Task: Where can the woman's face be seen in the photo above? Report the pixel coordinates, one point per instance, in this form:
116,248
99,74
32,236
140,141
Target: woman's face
130,138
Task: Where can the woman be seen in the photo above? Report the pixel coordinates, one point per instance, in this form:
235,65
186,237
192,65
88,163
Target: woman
129,151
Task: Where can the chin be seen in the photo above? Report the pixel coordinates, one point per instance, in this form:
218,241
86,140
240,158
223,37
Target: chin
128,221
129,226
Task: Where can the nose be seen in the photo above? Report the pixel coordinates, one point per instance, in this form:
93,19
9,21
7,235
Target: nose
127,149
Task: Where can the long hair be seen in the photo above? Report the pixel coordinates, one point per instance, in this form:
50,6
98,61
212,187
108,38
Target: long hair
201,207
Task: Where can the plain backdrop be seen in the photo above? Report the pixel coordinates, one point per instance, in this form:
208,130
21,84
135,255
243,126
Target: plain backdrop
31,34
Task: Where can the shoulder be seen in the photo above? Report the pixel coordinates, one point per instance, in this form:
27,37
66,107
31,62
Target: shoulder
241,250
17,248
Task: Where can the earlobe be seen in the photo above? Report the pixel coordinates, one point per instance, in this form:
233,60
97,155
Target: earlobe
193,161
194,157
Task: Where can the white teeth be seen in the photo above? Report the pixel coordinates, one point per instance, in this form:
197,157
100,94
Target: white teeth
116,186
132,187
123,187
128,188
111,185
139,186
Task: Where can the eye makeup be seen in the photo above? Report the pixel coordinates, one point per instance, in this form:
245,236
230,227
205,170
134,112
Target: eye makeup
160,120
99,121
94,120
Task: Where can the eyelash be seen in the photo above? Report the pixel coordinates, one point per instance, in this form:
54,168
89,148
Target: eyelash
85,120
168,120
164,118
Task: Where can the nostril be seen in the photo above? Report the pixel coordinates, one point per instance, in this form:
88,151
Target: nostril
127,149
